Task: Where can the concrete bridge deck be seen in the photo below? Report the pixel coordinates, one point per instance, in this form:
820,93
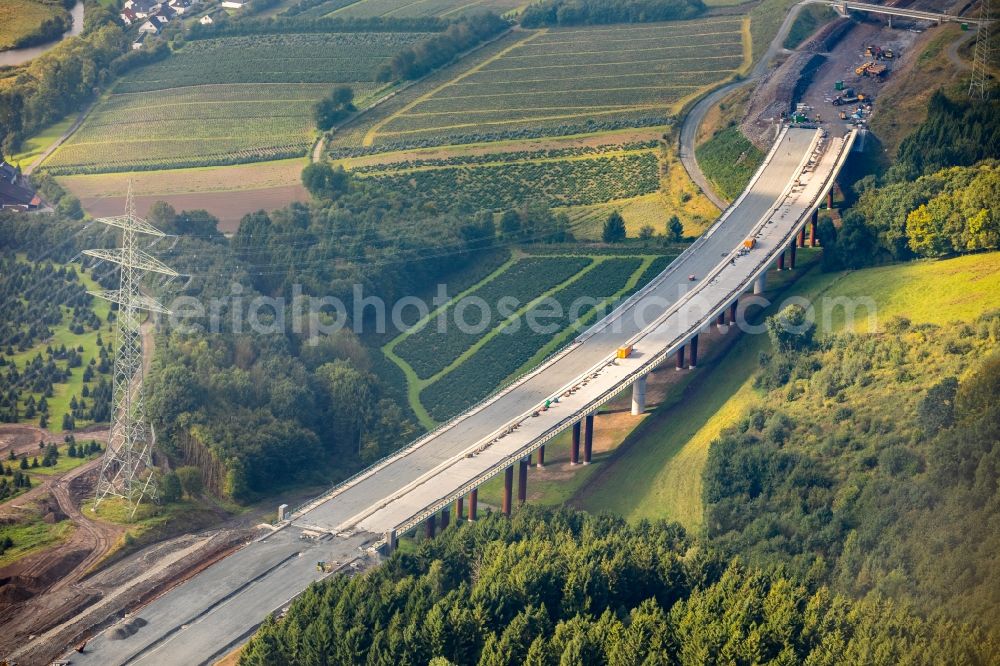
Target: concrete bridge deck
205,617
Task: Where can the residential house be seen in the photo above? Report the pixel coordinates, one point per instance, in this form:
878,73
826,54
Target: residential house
151,26
206,20
15,191
129,16
140,41
141,8
234,4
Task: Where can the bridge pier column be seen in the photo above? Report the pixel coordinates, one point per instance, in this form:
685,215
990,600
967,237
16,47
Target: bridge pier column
508,488
812,228
829,199
781,260
430,527
760,284
541,456
732,312
459,509
720,321
802,236
680,358
445,518
391,542
694,352
473,504
574,455
791,257
639,396
522,482
588,439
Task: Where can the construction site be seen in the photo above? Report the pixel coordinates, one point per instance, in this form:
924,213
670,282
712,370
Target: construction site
93,583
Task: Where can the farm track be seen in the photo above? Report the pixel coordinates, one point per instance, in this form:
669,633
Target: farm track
62,139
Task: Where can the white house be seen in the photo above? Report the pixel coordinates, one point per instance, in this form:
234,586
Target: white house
234,4
206,20
139,41
151,26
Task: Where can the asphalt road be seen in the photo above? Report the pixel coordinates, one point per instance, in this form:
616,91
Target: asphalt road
694,118
338,511
205,616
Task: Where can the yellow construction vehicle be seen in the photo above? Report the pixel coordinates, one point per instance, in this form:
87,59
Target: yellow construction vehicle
624,352
860,71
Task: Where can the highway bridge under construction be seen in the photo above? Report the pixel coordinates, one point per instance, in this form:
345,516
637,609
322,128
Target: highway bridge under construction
437,476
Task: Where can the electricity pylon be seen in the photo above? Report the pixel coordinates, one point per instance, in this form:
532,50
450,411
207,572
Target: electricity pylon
981,55
126,470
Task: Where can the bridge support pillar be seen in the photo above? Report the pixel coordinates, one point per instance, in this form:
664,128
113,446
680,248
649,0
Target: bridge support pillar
541,456
694,352
473,503
391,542
574,454
445,518
802,236
890,22
829,199
760,284
459,509
791,257
781,260
680,358
639,396
732,312
588,439
720,321
430,526
508,488
522,482
812,228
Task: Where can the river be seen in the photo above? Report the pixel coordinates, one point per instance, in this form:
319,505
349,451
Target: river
21,56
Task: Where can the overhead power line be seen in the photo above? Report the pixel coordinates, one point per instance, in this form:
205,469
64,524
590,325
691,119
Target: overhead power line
126,470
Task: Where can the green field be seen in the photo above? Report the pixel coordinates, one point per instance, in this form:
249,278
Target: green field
224,101
729,161
572,177
476,362
574,80
36,145
401,8
515,347
32,535
21,17
662,461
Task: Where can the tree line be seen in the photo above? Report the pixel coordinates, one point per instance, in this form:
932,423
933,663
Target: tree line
939,198
256,411
419,59
590,12
549,588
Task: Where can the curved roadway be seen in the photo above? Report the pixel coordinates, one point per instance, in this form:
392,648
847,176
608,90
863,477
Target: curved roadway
206,616
342,509
694,118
